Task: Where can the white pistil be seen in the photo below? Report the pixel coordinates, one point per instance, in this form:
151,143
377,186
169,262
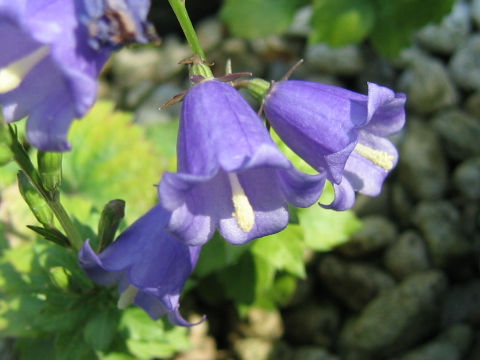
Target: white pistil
378,157
243,209
13,74
127,297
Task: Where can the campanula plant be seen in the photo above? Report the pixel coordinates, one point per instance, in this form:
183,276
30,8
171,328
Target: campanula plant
338,131
231,176
56,50
149,265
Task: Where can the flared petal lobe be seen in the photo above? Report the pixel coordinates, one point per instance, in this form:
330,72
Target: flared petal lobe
339,132
149,264
231,175
50,70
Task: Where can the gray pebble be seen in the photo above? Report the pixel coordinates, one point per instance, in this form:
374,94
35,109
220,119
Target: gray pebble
314,323
347,60
354,283
466,178
406,256
446,36
398,318
461,304
422,168
439,223
460,133
427,83
376,233
465,64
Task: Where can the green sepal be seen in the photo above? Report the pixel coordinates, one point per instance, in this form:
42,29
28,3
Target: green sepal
202,70
52,235
112,214
35,201
258,88
50,169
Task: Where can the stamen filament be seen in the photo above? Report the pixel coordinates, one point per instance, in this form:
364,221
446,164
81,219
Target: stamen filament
127,297
243,209
378,157
13,74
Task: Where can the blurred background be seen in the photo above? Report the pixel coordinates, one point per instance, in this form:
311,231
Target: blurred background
396,278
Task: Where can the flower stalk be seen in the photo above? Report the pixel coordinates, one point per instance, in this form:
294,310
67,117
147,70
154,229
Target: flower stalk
51,197
178,7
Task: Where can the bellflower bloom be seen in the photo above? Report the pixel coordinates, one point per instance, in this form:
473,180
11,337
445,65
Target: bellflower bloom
149,264
340,132
48,66
231,175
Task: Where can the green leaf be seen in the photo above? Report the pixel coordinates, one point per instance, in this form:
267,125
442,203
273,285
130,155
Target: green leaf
148,339
36,348
71,345
100,329
218,254
111,158
50,234
283,250
257,18
248,279
164,137
325,229
341,22
398,20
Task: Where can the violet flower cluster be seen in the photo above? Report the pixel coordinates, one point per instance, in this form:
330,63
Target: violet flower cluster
231,176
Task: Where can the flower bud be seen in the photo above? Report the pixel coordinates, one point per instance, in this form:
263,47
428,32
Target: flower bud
35,201
50,169
111,216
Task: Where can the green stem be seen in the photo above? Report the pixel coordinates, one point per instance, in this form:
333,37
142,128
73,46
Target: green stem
51,197
181,13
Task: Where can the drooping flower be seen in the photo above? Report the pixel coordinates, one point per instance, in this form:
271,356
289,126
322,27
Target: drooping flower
231,176
149,265
340,132
48,64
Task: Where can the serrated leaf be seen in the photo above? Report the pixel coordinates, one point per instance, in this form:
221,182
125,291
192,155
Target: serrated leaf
341,22
111,158
283,250
257,18
100,329
325,229
398,20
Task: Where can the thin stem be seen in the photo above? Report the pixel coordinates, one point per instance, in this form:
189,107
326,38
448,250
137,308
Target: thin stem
181,13
52,198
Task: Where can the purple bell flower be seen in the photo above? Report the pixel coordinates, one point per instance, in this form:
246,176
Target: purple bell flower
231,175
149,264
339,132
48,68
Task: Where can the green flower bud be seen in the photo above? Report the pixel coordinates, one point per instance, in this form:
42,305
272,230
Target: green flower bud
111,216
258,88
50,169
35,201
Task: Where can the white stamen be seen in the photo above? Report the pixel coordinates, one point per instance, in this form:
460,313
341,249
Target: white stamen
13,74
243,209
378,157
127,297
